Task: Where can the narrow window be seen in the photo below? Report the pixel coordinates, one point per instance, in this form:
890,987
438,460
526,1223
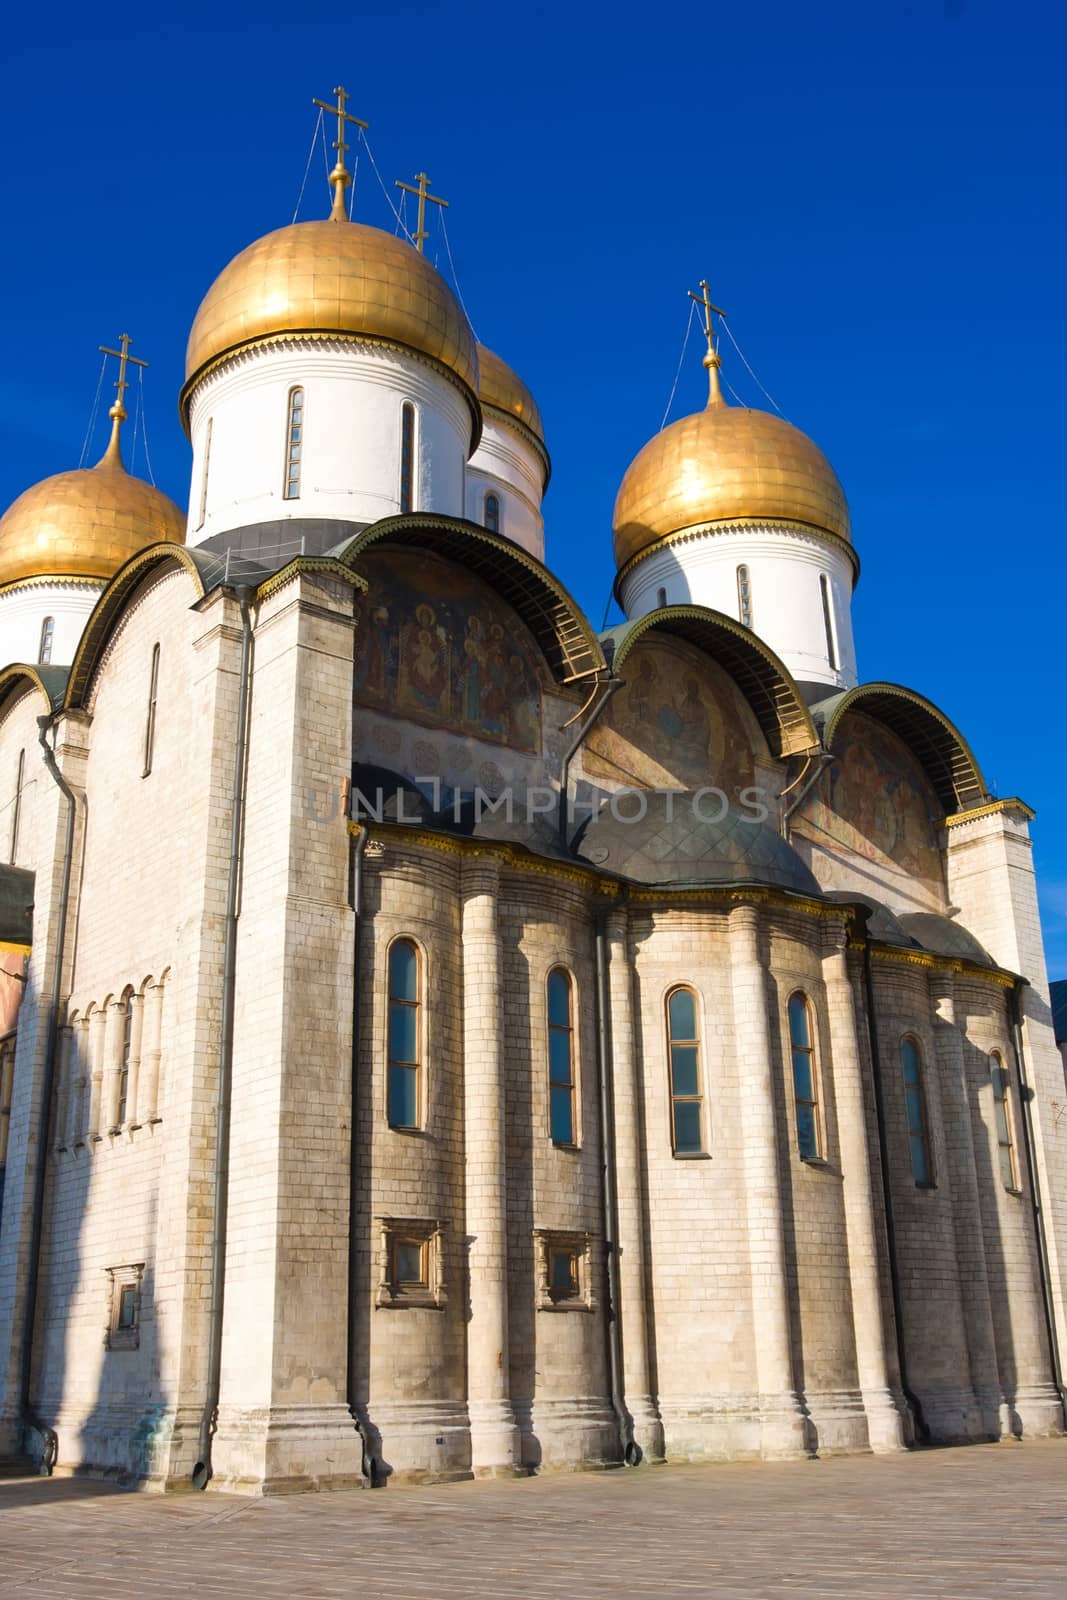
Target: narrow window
407,457
828,619
294,444
403,1065
805,1072
915,1105
561,1057
127,1308
562,1273
48,632
207,463
409,1263
687,1103
661,598
744,596
150,719
7,1074
124,1071
492,512
1002,1114
16,815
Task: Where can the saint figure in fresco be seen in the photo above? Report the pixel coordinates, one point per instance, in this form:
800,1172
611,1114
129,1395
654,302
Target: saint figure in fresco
427,673
379,653
471,675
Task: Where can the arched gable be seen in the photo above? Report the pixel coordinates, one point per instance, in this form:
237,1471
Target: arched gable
765,682
563,634
49,682
936,743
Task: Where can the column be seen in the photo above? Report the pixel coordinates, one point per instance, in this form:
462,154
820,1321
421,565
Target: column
966,1204
629,1164
883,1402
147,1101
114,1040
494,1435
782,1420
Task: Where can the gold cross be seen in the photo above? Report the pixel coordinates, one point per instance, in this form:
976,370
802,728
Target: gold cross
340,177
118,410
711,360
423,192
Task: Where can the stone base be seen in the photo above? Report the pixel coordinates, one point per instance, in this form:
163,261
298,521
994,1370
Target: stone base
496,1450
647,1429
287,1448
735,1427
838,1421
890,1425
953,1416
567,1435
149,1447
425,1441
1034,1411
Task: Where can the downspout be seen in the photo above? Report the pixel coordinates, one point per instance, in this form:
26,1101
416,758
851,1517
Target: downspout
611,686
27,1419
1045,1272
631,1452
807,779
370,1464
202,1472
887,1192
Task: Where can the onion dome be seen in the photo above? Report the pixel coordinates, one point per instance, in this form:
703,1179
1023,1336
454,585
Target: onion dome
501,389
86,523
725,464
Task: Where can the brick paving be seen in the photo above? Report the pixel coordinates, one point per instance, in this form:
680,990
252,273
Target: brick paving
951,1524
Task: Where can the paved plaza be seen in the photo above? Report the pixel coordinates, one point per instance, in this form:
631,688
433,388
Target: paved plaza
956,1524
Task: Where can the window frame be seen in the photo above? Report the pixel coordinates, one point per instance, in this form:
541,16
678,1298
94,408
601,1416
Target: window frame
829,622
811,1052
427,1235
744,595
580,1293
204,472
7,1092
408,448
150,713
16,817
560,971
492,520
416,1066
122,1112
292,480
1006,1141
46,641
687,1099
923,1133
125,1281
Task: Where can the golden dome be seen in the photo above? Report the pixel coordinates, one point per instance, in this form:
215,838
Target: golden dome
724,463
85,524
501,389
333,277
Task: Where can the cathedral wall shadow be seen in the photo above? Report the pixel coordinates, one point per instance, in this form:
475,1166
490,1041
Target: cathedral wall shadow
516,1023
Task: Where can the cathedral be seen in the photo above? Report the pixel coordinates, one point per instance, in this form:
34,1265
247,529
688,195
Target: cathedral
440,1039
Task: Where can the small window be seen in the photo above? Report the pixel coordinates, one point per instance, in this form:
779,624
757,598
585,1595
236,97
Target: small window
687,1102
744,597
915,1106
563,1273
403,1070
124,1328
805,1077
409,1263
207,464
561,1057
412,1263
828,619
48,633
294,444
492,512
1002,1114
150,719
564,1268
127,1306
124,1070
7,1076
407,457
661,598
16,810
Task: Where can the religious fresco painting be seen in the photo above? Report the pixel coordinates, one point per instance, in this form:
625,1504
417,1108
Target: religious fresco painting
437,646
678,722
876,803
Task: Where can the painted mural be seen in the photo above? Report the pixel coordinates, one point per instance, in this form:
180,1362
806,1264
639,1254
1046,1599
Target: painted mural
678,722
875,803
436,645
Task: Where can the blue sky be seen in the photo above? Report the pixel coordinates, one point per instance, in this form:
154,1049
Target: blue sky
876,194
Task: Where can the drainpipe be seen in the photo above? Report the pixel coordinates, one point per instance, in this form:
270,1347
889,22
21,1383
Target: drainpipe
202,1472
1026,1096
631,1452
807,779
611,685
887,1190
27,1419
371,1464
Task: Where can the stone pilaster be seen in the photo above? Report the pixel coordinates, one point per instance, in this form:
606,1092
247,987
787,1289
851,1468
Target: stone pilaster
783,1427
883,1402
630,1164
494,1434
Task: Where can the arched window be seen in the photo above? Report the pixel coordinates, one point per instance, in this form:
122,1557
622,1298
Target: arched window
561,1056
7,1077
828,619
661,599
294,444
1002,1114
492,512
407,457
744,596
805,1076
404,1066
915,1106
124,1068
150,718
207,463
687,1100
16,809
48,633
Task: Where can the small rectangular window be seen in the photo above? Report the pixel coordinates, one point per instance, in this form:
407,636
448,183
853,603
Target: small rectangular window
150,720
687,1100
560,1058
294,444
127,1306
744,597
403,1066
409,1263
563,1272
565,1276
124,1329
411,1272
48,633
805,1082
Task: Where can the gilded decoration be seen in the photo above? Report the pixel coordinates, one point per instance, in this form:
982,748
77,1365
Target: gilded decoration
438,647
876,804
678,722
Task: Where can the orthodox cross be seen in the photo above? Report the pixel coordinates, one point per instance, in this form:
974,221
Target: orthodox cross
711,359
423,192
340,177
118,410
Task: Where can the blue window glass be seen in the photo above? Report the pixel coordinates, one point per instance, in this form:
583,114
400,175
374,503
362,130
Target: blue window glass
492,513
801,1035
404,1065
560,1058
915,1109
687,1105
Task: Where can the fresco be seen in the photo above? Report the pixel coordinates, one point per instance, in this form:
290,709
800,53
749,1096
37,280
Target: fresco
876,803
679,722
439,647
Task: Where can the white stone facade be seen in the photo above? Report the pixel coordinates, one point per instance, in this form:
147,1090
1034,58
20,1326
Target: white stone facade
26,607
